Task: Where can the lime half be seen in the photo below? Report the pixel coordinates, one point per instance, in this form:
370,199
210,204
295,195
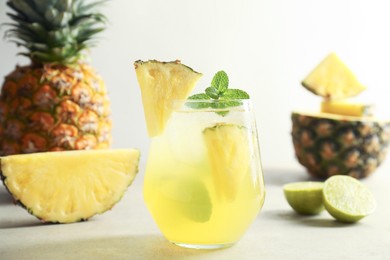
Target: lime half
347,199
305,197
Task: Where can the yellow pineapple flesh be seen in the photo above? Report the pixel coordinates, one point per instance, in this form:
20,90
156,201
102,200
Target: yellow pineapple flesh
229,157
161,84
332,79
69,186
346,108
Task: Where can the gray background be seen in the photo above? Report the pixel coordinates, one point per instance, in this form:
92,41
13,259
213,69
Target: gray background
266,47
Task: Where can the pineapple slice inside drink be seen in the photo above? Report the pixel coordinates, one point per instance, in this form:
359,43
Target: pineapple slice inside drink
346,108
229,157
69,186
161,83
332,79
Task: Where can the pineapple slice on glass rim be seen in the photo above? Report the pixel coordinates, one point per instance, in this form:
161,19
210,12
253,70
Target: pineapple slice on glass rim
161,83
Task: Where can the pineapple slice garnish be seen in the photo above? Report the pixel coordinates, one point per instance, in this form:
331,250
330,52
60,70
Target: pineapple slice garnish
332,79
346,108
161,83
69,186
229,156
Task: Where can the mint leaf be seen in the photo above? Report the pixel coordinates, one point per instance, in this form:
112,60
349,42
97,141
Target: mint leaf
235,94
221,107
199,96
220,81
198,105
212,92
221,96
225,103
223,112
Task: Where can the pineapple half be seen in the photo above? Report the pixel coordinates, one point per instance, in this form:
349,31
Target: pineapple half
69,186
329,144
345,138
57,102
164,86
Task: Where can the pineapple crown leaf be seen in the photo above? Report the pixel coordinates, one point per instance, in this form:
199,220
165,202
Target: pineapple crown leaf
88,7
43,5
55,31
25,10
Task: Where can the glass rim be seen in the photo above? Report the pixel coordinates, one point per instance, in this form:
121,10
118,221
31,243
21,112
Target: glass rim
213,100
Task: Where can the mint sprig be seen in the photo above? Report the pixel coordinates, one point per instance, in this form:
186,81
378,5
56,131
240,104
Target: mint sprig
220,81
219,91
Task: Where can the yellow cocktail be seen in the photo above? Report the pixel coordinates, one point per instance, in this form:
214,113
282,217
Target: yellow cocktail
203,181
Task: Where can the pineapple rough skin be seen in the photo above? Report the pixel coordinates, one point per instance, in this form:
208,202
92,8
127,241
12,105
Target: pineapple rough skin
336,145
57,102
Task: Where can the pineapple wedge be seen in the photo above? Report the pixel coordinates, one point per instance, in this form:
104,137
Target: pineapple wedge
69,186
229,157
332,79
161,83
346,109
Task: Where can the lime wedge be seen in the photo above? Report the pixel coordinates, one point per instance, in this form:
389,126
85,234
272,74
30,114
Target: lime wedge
305,197
347,199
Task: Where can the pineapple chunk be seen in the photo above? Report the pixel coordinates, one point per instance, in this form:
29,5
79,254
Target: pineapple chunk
332,79
229,157
161,83
346,108
70,186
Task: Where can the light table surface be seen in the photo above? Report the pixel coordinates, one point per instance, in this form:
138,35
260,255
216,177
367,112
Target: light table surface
128,231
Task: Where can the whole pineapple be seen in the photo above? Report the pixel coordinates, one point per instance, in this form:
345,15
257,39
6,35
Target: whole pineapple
57,102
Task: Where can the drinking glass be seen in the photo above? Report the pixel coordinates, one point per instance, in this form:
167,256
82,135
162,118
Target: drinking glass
204,183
